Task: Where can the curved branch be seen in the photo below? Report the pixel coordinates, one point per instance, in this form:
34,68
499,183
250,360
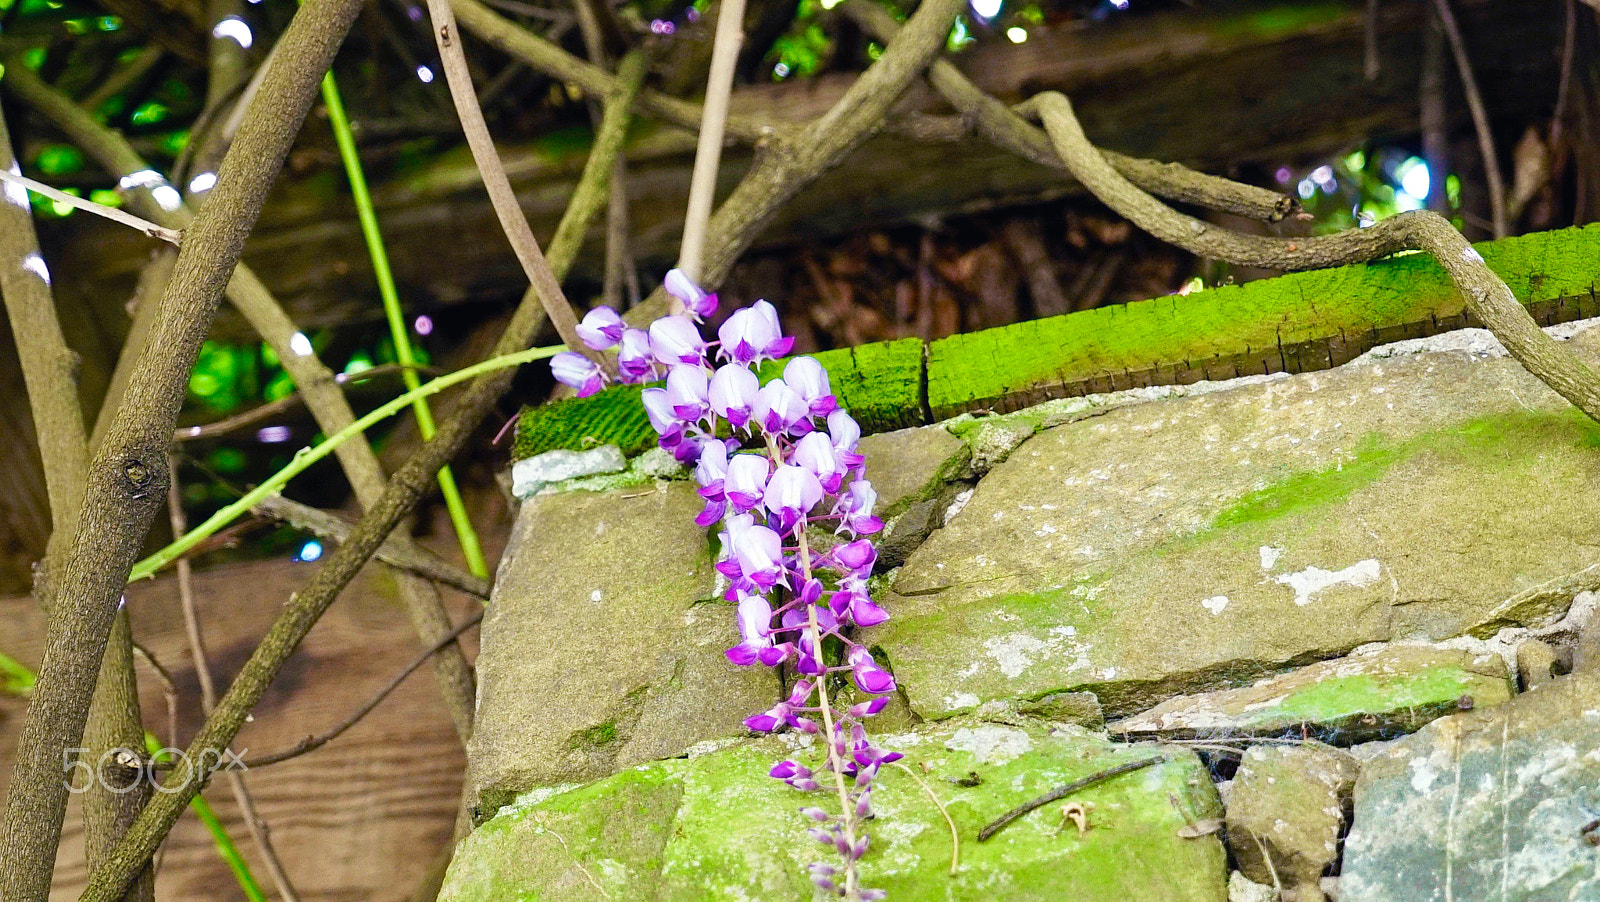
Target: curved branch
520,44
399,496
126,481
1006,128
1486,294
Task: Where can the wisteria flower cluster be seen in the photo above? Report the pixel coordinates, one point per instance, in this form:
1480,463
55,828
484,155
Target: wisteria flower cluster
772,461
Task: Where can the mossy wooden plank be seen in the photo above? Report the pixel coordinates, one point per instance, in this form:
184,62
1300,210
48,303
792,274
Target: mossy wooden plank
1295,322
880,384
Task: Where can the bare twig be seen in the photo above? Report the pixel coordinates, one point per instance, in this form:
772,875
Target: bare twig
396,551
1432,118
1061,792
247,418
312,743
126,482
171,236
955,837
713,121
518,43
1006,127
208,694
454,61
1480,118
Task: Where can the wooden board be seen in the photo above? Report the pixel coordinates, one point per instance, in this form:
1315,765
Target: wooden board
1294,323
363,817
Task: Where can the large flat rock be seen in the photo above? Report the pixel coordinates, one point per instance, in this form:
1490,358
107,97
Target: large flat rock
600,647
717,827
1495,804
1180,545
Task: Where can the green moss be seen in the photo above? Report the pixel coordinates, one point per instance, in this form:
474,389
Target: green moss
1372,459
603,734
1333,699
718,827
1296,322
1485,443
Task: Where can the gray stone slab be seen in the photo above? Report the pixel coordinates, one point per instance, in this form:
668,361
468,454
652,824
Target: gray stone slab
1377,693
911,465
1179,545
600,649
1492,804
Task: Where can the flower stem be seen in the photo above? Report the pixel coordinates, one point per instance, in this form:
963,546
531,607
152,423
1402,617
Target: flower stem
847,810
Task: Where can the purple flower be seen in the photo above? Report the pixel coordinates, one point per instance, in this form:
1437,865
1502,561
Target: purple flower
868,676
810,381
755,551
778,409
852,604
755,630
854,509
846,436
815,453
634,361
674,339
663,418
696,302
746,483
753,333
855,557
869,708
711,470
578,371
791,494
601,328
687,388
733,393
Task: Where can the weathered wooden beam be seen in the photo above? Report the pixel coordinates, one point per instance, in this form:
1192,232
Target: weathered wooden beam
1295,323
1236,83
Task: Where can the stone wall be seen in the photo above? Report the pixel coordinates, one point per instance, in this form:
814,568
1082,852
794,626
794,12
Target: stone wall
1268,580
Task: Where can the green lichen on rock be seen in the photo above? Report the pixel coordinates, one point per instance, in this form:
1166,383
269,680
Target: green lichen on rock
1210,540
1379,693
717,827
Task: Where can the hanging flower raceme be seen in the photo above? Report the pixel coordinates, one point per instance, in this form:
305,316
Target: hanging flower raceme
771,462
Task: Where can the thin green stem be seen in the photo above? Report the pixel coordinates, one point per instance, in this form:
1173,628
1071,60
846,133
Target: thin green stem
471,548
18,679
219,835
305,457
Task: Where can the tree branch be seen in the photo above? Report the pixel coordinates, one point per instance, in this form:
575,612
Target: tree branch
396,551
398,497
713,122
1486,294
517,42
1006,128
126,482
317,384
47,370
447,36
